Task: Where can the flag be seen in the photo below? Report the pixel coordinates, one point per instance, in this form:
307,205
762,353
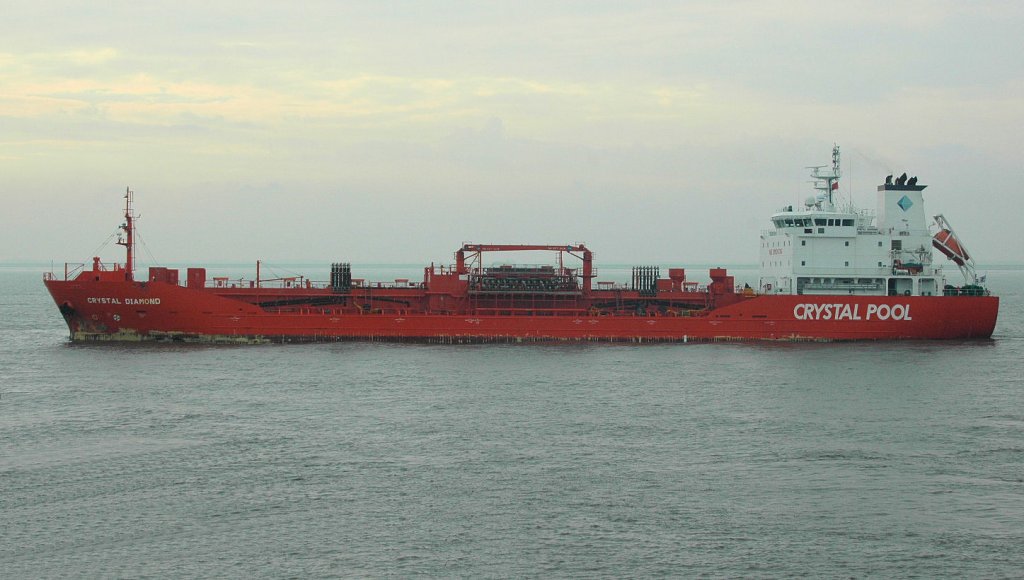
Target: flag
835,185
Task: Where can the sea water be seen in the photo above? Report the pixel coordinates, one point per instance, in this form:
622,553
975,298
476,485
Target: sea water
588,460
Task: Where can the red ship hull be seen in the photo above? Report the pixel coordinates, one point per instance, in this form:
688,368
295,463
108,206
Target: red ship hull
112,309
473,302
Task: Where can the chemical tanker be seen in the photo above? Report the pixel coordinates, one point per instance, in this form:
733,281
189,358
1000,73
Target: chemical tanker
827,273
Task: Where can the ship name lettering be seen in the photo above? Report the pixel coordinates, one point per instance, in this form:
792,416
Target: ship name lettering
887,312
851,312
120,301
143,301
103,300
827,312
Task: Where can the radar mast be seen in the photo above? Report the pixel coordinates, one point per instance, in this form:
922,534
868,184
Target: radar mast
827,180
128,227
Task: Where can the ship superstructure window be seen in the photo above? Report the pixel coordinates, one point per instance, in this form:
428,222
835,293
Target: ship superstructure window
847,244
819,222
803,242
897,244
847,222
821,230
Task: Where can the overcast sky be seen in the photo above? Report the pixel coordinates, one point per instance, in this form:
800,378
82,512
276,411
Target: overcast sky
395,131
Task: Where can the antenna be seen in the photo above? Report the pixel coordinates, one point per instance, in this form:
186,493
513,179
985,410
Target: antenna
827,181
129,240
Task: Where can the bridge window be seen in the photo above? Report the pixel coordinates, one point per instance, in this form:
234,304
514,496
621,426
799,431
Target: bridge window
819,222
847,222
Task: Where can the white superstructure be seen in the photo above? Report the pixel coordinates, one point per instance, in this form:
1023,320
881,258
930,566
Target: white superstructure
819,249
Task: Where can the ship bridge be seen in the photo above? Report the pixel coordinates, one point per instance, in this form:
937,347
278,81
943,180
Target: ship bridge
822,249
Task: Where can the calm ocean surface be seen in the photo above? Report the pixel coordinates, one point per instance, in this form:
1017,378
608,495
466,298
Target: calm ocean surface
757,460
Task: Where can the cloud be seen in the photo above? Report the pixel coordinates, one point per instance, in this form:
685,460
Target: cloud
659,111
88,57
77,57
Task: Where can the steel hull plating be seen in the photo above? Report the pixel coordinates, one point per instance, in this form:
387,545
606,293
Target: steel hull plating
154,311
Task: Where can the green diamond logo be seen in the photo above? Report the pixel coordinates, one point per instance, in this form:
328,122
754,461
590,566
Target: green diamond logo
904,203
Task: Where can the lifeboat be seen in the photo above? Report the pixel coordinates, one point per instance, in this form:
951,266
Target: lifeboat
946,242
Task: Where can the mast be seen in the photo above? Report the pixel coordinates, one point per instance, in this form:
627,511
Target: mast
129,240
827,181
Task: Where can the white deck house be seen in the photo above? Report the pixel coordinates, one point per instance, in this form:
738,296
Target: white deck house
818,249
